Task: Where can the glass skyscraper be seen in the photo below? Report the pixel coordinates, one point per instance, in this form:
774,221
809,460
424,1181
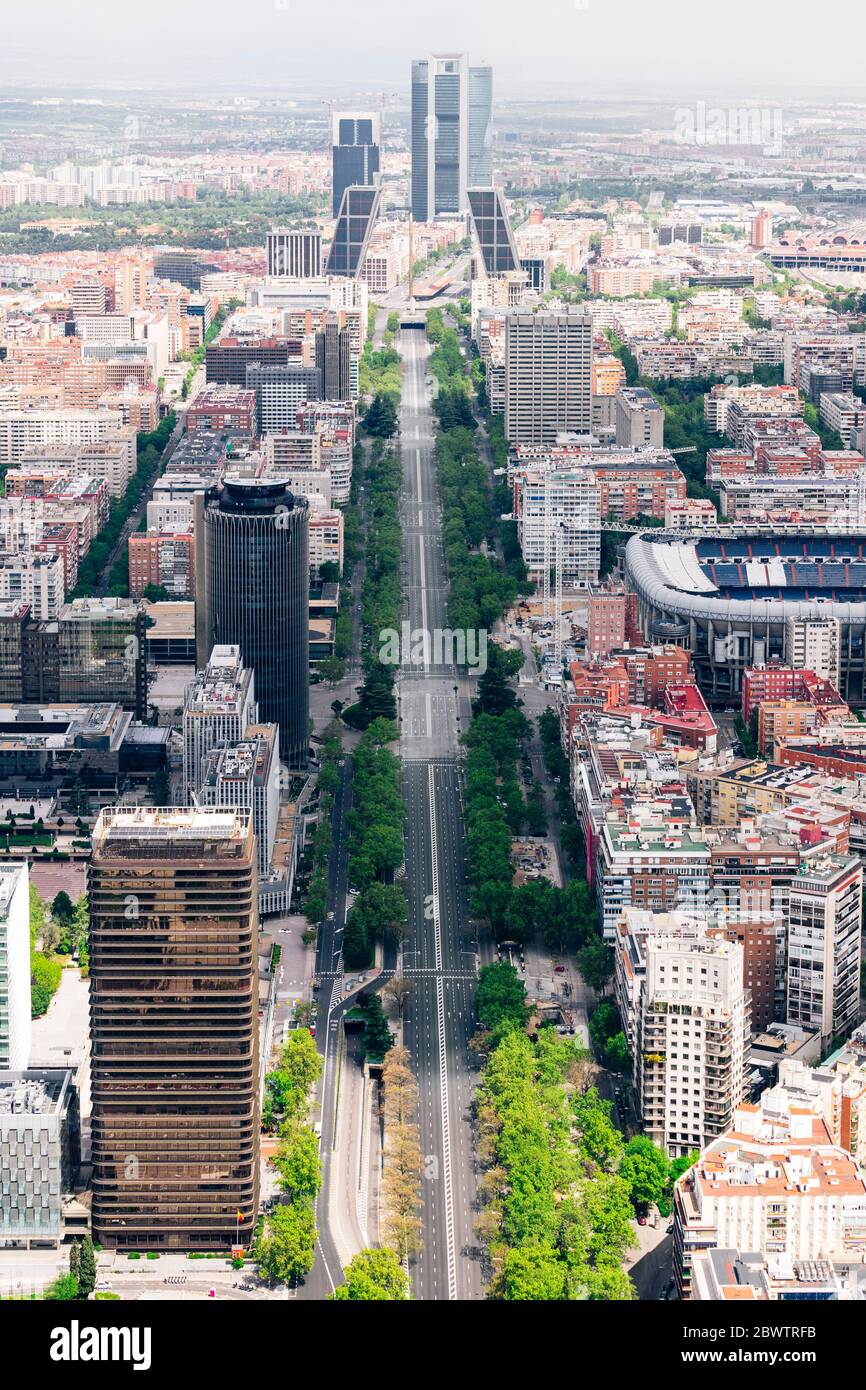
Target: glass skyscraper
450,133
255,586
355,152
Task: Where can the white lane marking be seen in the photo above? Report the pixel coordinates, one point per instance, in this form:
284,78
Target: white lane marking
450,1250
423,600
434,852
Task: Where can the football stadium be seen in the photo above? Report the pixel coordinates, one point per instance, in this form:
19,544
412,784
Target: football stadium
743,600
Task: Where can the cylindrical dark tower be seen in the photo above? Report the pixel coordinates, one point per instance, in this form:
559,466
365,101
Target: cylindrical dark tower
256,578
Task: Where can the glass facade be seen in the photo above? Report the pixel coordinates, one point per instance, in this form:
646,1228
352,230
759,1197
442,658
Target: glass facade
257,596
174,1029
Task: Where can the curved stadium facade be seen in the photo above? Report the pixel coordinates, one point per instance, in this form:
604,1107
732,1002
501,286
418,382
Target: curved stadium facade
729,600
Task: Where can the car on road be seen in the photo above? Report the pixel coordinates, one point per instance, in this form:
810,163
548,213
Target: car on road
101,1285
329,917
559,970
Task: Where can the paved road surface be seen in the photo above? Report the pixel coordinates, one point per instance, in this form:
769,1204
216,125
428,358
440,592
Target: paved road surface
437,954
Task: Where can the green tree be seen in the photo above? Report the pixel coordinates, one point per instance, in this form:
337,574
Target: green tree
377,1034
532,1274
64,1288
333,669
86,1267
616,1053
287,1248
45,975
373,1276
297,1163
645,1170
595,963
500,996
62,908
600,1140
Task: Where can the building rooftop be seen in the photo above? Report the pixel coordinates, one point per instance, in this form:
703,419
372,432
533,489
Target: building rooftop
33,1092
180,832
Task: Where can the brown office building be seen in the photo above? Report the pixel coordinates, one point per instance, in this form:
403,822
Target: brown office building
174,1028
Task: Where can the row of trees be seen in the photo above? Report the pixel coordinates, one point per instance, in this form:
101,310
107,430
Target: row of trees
479,587
379,372
375,844
321,839
557,1217
495,809
402,1160
380,599
150,446
570,833
566,917
286,1244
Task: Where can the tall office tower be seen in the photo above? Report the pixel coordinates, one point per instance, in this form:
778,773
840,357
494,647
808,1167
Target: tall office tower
450,133
356,139
480,91
174,1028
824,918
279,392
359,209
548,375
14,967
295,254
333,359
219,707
493,234
227,359
252,587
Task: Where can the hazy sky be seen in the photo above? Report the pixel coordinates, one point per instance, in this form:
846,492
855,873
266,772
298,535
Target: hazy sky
643,44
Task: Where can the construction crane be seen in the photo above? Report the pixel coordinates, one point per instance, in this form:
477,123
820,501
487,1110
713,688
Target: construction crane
554,550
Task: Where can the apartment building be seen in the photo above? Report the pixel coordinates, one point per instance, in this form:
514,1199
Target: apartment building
164,559
25,430
653,857
815,644
774,1183
326,539
640,420
825,902
39,1156
558,517
845,413
692,1031
231,409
